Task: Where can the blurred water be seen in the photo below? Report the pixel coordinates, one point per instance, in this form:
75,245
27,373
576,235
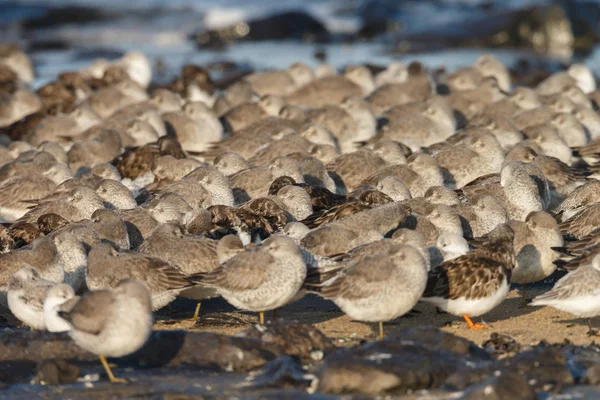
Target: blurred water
161,29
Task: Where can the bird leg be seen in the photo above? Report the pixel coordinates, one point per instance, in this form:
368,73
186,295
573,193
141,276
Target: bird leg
261,317
274,314
197,312
473,325
112,378
591,332
381,335
524,300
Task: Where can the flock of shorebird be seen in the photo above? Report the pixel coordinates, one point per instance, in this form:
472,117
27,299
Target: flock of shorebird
374,188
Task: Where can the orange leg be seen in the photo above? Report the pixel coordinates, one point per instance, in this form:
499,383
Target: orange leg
473,325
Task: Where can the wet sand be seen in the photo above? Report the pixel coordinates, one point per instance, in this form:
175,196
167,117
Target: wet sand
527,325
289,377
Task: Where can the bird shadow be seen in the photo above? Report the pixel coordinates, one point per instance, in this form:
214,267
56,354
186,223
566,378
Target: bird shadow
571,322
310,309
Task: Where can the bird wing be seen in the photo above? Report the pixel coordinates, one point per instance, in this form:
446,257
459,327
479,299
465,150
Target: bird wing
34,296
158,274
583,281
360,279
468,276
89,314
247,270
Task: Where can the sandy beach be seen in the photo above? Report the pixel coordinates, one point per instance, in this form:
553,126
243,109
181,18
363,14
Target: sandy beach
526,325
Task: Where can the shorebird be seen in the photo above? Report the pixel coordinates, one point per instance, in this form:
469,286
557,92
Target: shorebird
379,287
191,254
533,244
475,283
576,293
262,277
59,297
41,255
26,294
112,323
107,266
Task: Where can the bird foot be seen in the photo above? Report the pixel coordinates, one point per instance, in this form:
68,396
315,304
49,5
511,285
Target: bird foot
473,325
479,326
593,332
118,380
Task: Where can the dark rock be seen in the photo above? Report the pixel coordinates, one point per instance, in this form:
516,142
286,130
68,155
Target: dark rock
379,17
538,28
583,361
289,395
394,367
501,346
165,348
505,386
56,372
434,339
170,348
580,393
66,15
584,16
592,375
13,372
284,371
297,25
544,367
301,340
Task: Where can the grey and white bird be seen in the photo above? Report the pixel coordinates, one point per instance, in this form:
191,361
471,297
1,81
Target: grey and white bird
107,266
261,278
26,294
112,323
380,287
59,297
577,293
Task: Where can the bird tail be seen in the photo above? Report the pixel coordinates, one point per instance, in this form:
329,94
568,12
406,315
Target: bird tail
318,278
544,299
561,250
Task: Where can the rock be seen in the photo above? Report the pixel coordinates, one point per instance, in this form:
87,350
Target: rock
592,375
501,346
545,368
165,348
56,372
505,386
298,25
583,361
301,340
434,339
545,29
171,348
283,371
394,367
579,393
66,15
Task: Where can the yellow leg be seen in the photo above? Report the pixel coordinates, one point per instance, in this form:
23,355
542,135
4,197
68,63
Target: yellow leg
197,312
109,372
261,316
472,325
381,336
274,314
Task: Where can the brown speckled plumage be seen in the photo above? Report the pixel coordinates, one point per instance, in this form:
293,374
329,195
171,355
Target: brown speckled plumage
477,274
49,222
